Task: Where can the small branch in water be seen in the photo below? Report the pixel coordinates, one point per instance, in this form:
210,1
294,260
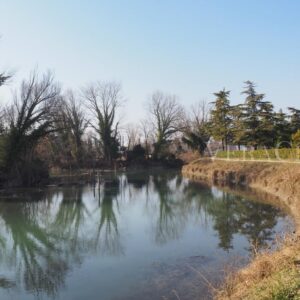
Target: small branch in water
176,294
204,279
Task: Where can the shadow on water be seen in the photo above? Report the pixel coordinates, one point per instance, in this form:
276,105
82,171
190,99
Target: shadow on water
47,234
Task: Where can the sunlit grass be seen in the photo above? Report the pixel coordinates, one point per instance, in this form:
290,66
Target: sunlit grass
262,154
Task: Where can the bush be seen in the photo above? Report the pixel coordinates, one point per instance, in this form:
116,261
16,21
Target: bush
137,153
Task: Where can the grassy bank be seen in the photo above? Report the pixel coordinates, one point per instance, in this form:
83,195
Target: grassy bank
271,275
262,154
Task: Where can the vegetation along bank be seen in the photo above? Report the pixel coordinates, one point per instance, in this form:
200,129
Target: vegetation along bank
271,275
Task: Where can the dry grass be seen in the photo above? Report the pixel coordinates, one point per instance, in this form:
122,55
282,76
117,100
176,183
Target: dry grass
188,157
273,275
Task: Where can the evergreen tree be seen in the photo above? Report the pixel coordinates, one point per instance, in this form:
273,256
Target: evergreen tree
266,127
238,130
220,118
282,130
294,119
197,140
252,116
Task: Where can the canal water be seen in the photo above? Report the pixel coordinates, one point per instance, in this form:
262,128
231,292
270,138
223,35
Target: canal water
139,235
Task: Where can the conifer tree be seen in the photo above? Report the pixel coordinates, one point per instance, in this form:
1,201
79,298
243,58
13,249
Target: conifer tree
294,119
252,120
221,119
238,130
266,127
282,130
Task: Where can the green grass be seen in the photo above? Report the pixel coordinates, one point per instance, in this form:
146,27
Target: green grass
283,285
263,154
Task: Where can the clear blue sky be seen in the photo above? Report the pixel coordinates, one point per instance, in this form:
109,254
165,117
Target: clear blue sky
190,48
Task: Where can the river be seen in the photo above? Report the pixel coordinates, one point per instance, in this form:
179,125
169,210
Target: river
139,235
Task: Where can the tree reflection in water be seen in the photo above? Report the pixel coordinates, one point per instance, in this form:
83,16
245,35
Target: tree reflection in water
108,236
32,249
170,216
233,214
70,217
43,238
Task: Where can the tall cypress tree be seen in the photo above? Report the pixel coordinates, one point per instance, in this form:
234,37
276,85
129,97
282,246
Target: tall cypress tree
221,119
266,131
238,130
254,106
294,119
282,130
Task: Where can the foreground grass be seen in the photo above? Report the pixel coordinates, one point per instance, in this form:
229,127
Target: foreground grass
271,275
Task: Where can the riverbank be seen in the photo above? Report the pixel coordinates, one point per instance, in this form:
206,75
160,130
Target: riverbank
270,275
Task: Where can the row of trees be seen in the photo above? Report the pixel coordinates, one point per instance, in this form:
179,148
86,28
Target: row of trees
253,123
43,126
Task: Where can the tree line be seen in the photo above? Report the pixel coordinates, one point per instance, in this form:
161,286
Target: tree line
44,127
253,123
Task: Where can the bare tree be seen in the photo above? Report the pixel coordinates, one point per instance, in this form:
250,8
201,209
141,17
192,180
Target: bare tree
103,100
133,135
167,118
196,133
29,119
200,113
3,79
77,124
67,147
147,134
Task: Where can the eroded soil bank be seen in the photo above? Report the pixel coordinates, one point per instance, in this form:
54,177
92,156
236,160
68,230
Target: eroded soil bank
271,275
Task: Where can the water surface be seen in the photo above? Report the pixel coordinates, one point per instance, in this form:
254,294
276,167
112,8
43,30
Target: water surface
135,236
